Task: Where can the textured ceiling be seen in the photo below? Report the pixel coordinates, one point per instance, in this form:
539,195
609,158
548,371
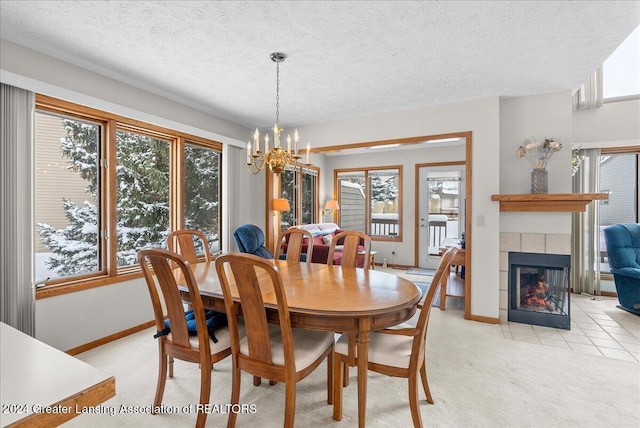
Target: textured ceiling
344,59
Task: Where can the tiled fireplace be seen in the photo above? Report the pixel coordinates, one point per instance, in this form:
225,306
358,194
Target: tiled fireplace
541,243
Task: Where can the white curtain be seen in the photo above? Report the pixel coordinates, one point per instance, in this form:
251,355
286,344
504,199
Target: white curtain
585,274
590,94
17,290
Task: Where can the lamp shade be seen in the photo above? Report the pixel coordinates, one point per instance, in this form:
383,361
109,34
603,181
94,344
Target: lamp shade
281,205
331,204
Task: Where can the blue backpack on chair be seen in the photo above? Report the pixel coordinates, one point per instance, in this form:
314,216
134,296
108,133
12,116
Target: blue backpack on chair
215,320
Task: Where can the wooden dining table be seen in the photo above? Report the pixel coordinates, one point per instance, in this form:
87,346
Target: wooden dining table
327,298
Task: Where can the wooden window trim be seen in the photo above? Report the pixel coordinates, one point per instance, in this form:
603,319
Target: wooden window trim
111,123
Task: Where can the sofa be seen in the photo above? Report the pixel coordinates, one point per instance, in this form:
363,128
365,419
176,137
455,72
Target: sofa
623,252
322,234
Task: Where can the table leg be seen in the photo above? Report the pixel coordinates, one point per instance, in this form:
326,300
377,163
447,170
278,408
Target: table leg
363,359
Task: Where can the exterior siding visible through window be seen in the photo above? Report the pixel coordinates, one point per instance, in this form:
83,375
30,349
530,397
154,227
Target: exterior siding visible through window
67,196
100,175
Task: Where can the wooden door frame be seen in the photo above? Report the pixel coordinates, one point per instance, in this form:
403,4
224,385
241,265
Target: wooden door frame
468,210
467,135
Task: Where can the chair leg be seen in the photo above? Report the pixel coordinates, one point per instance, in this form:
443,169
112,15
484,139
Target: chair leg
413,400
170,366
345,374
337,387
235,394
330,359
257,380
162,378
205,391
290,404
425,383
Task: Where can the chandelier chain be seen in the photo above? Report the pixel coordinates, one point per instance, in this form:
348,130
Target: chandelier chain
278,94
277,158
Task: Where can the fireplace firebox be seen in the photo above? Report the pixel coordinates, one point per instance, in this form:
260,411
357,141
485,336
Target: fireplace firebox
539,289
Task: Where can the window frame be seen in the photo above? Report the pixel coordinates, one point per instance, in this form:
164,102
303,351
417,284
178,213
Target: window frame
111,123
631,150
295,201
274,190
366,170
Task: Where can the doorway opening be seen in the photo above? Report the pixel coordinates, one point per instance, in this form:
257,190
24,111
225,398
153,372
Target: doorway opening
441,194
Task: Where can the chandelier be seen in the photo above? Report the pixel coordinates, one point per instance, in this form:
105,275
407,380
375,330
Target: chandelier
277,158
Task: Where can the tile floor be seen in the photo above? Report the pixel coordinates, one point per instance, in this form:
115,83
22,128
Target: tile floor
598,327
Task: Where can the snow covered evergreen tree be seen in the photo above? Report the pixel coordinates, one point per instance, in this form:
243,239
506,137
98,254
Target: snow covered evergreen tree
383,189
142,193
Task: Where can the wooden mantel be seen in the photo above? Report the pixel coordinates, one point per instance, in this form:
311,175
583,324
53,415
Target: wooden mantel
547,202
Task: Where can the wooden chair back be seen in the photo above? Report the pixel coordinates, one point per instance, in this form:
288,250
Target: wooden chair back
183,242
352,242
251,276
444,268
294,238
394,343
157,267
166,300
252,279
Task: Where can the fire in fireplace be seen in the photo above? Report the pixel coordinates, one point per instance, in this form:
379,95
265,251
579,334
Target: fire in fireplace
539,289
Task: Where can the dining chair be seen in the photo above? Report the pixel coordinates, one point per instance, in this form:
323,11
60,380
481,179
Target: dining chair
183,242
355,245
175,341
274,351
397,351
293,240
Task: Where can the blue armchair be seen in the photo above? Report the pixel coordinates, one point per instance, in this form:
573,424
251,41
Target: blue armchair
250,239
623,251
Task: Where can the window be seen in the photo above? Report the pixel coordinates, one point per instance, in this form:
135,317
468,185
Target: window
99,176
300,188
618,178
67,192
142,183
370,200
621,70
202,193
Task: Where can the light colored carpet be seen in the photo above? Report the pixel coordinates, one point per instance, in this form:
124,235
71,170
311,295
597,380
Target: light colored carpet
477,378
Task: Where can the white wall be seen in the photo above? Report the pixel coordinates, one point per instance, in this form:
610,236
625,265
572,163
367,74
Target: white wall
481,117
617,122
536,116
40,73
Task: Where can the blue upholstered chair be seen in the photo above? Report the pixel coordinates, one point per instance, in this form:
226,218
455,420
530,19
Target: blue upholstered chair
623,251
250,239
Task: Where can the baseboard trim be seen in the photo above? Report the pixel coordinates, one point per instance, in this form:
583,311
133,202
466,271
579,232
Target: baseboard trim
104,340
479,318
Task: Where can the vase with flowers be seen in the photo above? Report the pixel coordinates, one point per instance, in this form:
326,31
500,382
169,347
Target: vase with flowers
538,154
